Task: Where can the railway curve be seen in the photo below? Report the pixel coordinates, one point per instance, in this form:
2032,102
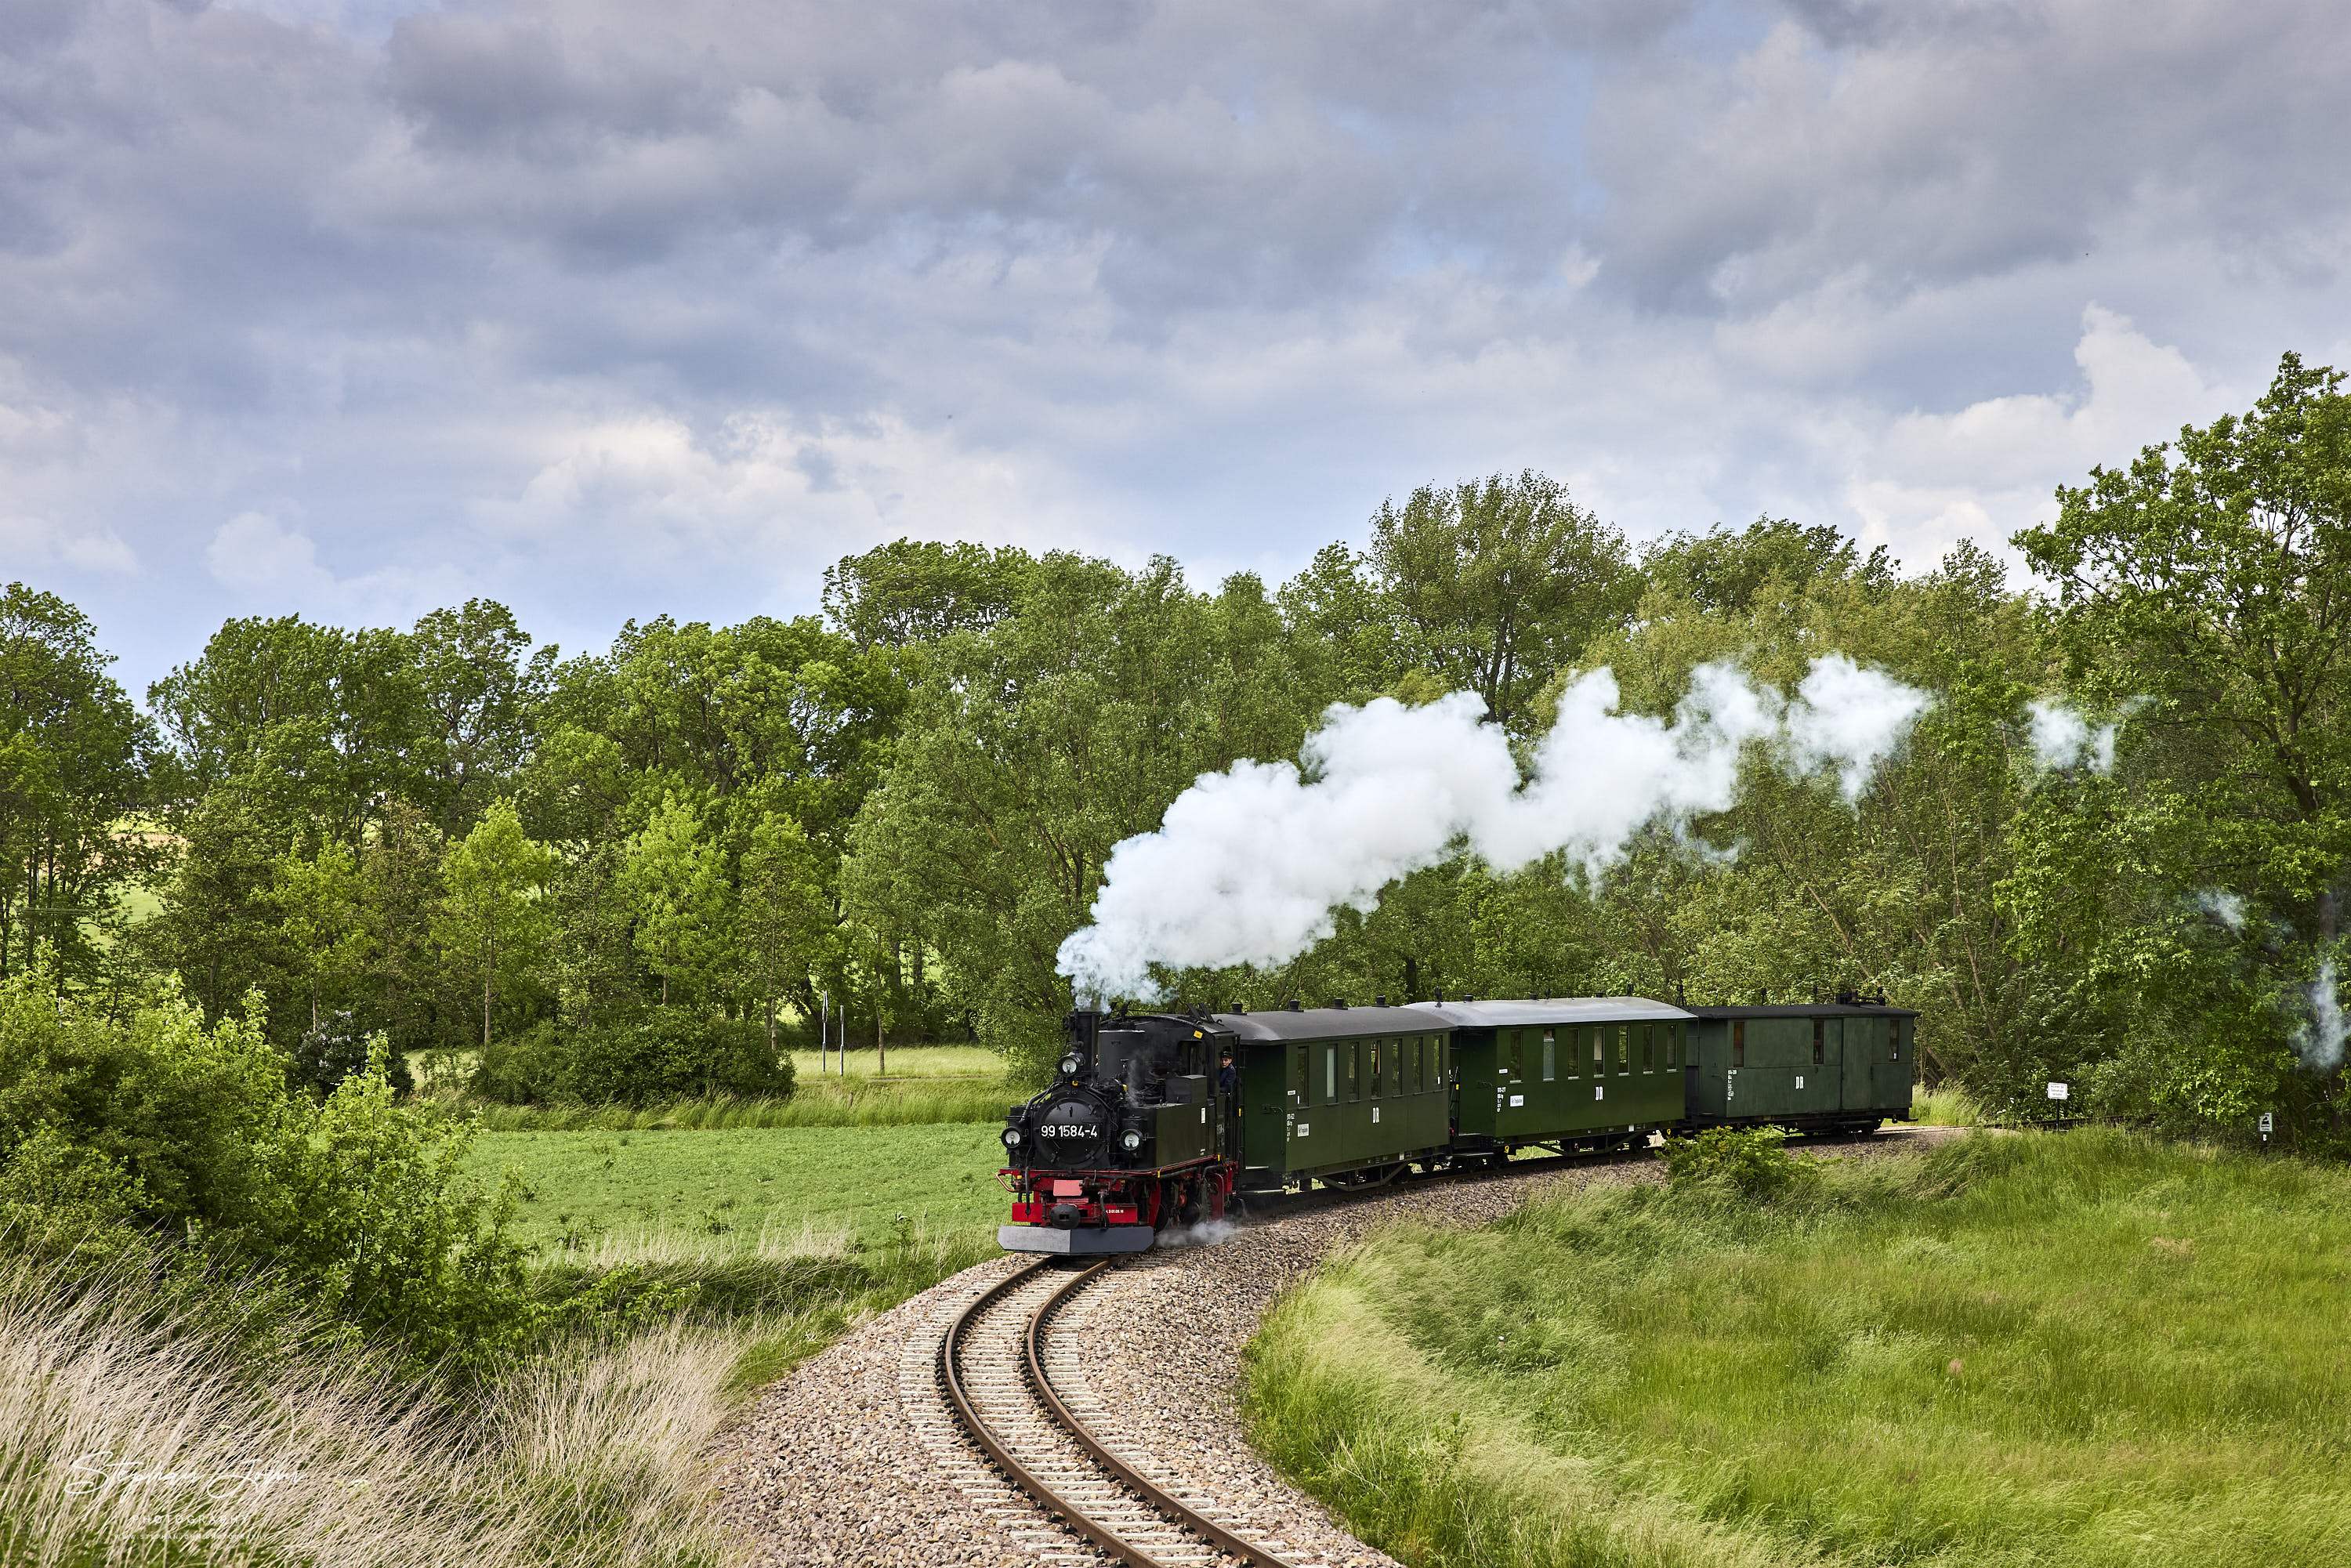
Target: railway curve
859,1458
997,1373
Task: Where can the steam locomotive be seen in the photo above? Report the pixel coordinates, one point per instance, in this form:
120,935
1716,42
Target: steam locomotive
1159,1120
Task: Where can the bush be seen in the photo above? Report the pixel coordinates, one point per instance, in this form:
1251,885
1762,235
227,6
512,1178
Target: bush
336,1046
155,1131
669,1054
1744,1162
175,1107
62,1200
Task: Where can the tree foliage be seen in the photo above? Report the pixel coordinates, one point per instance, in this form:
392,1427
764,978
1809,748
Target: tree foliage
653,863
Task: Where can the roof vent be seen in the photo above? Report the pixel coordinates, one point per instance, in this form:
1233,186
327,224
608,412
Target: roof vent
1338,1001
1379,1001
1294,1005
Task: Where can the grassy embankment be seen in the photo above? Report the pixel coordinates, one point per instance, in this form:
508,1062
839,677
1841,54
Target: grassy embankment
132,1431
2084,1348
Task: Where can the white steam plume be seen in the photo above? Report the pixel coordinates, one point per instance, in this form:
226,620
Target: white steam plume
2320,1038
2226,907
2063,739
1249,864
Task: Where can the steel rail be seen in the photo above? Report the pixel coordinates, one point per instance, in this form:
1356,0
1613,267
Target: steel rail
1074,1516
1208,1530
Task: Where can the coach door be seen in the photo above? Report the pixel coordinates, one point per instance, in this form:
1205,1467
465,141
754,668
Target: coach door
1861,1036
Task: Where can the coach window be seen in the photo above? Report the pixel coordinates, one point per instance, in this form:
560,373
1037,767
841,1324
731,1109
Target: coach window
1648,1048
1299,1070
1738,1042
1516,1040
1353,1051
1330,1075
1674,1048
1893,1034
1379,1065
1820,1050
1599,1060
1623,1048
1551,1055
1424,1051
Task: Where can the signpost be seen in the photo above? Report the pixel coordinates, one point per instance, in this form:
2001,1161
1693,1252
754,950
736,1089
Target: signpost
2265,1129
2061,1091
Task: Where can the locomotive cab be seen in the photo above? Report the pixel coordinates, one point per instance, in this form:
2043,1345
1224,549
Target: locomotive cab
1129,1137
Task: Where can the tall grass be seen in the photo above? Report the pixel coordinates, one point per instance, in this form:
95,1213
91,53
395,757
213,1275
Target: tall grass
1950,1106
144,1425
125,1440
815,1103
2086,1349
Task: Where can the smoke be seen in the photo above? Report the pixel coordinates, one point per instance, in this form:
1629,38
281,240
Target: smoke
2063,739
1206,1233
1249,866
2227,908
2319,1032
2320,1037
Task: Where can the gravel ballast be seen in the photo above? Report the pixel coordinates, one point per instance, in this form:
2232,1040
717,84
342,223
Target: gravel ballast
853,1459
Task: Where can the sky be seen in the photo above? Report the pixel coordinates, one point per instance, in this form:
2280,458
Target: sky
608,308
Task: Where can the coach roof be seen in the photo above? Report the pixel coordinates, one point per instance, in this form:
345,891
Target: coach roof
1805,1010
1552,1011
1331,1023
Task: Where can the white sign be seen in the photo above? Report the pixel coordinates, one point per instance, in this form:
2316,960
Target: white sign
2060,1092
2265,1121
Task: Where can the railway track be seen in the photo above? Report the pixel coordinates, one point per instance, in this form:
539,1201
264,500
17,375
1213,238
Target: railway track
997,1367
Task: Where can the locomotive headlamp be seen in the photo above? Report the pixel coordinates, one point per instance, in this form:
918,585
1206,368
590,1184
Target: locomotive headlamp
1070,1065
1012,1136
1132,1141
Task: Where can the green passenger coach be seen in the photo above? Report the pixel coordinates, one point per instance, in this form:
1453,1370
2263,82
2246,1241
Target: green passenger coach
1343,1095
1577,1073
1815,1067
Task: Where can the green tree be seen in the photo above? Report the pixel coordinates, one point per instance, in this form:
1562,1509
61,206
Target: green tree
2208,588
72,757
478,697
1497,583
1032,748
400,907
915,590
313,726
785,920
495,915
219,928
675,878
323,938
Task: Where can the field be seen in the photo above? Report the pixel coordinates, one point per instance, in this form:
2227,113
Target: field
926,1085
2084,1348
616,1196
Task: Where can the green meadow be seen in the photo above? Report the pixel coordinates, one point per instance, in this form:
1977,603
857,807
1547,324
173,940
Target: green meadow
615,1196
2083,1348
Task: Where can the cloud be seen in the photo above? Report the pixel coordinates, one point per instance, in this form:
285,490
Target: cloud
29,543
269,567
608,308
1993,466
